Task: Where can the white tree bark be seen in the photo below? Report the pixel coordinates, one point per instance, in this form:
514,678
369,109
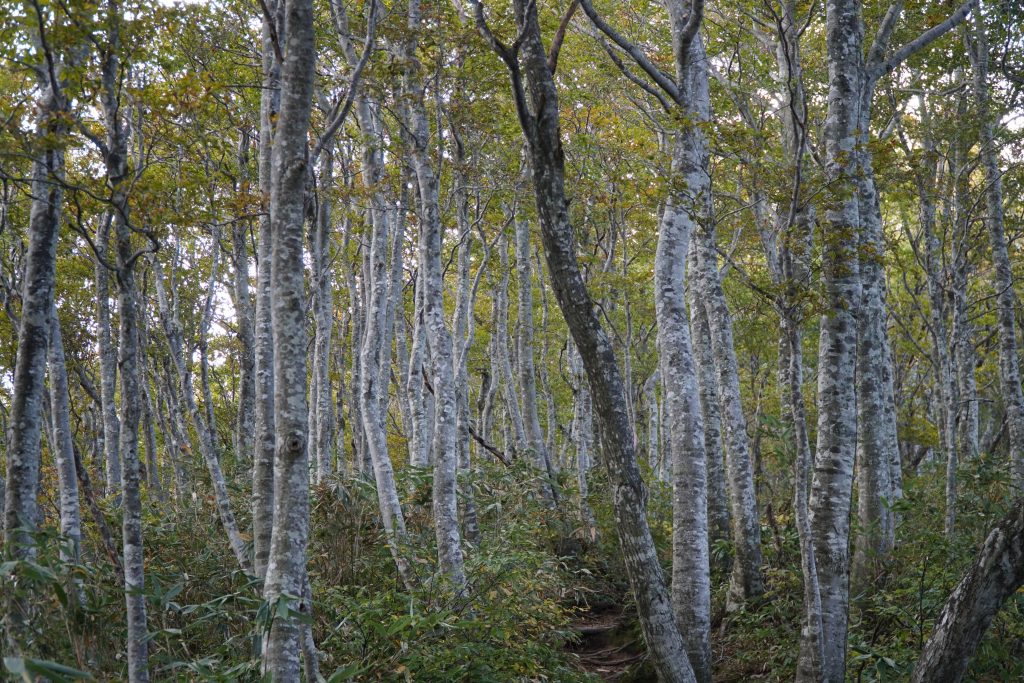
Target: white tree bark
322,407
25,422
67,480
719,516
997,573
536,98
193,414
445,448
286,566
115,155
1002,277
539,454
832,482
691,578
263,455
501,336
245,416
746,580
107,358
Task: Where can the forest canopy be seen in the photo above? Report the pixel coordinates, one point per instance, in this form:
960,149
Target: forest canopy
518,340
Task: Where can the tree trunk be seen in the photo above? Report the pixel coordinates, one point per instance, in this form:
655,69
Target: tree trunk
63,446
108,359
286,566
746,580
538,113
832,482
877,445
524,354
321,422
263,455
1002,281
172,330
719,517
245,417
996,575
25,424
445,498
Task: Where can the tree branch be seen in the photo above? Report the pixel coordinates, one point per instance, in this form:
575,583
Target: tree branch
876,71
663,80
556,43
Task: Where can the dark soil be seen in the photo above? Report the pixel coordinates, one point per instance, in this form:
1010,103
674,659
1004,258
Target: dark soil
606,646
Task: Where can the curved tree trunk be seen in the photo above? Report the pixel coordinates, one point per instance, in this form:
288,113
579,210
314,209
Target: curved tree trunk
192,412
538,113
997,573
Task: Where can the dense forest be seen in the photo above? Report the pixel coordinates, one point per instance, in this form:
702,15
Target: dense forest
572,340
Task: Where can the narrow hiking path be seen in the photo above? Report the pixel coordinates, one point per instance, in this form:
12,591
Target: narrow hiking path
605,647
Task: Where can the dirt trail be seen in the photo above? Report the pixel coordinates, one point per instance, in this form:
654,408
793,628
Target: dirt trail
604,649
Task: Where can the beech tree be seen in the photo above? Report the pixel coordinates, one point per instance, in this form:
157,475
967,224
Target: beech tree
461,340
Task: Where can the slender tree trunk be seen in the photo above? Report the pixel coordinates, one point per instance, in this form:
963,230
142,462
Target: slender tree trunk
538,113
263,456
524,352
746,580
374,376
583,436
832,482
719,517
419,451
116,160
172,330
445,499
108,359
245,417
1006,295
501,335
321,421
286,566
67,481
654,454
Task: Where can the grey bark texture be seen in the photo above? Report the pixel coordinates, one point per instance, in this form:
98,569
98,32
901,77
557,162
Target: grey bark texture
538,450
1002,277
832,481
26,420
108,359
286,565
997,573
245,416
439,336
263,454
537,107
63,446
115,153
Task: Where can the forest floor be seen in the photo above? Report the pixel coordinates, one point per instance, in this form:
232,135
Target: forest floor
607,647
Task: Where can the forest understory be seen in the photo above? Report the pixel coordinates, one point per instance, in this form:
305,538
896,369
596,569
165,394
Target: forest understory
528,340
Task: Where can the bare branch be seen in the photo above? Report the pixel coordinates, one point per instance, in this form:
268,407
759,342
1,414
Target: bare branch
876,71
556,43
663,80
